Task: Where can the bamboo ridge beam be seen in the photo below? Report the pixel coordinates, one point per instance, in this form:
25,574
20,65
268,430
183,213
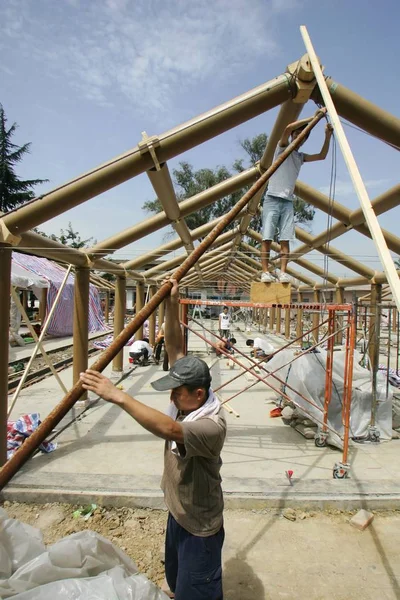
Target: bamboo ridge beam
139,159
362,113
55,416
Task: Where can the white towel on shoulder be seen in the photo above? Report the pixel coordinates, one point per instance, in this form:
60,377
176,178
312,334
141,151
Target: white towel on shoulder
210,407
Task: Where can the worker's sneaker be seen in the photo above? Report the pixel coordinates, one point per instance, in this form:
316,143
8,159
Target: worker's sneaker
267,277
284,278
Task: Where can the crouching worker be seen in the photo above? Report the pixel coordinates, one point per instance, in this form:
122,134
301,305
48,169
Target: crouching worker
260,348
140,352
225,344
194,430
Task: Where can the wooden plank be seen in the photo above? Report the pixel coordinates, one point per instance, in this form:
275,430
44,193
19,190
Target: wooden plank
276,293
368,211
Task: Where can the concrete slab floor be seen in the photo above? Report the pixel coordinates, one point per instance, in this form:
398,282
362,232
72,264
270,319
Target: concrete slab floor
106,456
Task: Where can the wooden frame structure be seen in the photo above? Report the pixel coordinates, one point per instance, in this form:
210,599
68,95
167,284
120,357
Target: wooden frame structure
227,257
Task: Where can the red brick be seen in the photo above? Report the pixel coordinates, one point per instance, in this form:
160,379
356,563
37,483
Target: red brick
362,519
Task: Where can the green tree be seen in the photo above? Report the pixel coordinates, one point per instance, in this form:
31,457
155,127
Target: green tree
189,182
13,190
71,238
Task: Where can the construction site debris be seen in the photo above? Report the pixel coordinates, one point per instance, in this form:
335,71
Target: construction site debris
289,514
362,519
83,565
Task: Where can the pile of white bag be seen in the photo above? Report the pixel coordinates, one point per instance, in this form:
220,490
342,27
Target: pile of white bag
82,565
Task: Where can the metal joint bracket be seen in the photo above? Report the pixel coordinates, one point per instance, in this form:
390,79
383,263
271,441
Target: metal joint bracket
148,144
6,237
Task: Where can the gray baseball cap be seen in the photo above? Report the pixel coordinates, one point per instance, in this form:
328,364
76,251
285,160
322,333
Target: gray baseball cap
188,370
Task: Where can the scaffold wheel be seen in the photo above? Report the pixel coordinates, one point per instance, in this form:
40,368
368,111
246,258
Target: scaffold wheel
340,473
320,441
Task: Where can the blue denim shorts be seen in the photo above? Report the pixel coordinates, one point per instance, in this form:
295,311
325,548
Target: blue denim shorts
278,216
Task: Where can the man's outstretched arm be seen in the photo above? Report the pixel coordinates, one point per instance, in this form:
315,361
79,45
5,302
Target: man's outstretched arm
324,150
151,419
173,332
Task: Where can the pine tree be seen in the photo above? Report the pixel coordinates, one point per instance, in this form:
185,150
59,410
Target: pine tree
13,190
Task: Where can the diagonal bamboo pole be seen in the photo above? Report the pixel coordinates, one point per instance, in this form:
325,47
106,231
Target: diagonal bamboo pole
38,343
40,340
45,428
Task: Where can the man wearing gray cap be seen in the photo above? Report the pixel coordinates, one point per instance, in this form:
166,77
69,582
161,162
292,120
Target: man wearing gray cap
194,429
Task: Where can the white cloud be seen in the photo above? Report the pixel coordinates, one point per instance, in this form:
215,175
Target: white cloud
346,188
148,50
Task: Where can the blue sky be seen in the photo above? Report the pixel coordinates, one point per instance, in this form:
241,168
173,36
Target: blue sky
84,78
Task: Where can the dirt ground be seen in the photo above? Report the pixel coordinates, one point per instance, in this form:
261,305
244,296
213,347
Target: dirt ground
268,554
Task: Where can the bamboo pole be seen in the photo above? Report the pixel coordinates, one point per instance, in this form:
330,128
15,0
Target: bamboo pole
55,416
370,217
119,319
5,270
36,339
81,323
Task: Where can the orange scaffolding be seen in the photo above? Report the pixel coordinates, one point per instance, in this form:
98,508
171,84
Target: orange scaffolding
341,469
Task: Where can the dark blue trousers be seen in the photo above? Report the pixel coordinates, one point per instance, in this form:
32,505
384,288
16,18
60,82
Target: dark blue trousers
193,564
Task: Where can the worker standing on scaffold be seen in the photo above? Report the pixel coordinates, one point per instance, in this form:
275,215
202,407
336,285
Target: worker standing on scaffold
278,212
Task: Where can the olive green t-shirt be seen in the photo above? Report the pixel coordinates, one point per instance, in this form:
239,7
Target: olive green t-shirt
191,481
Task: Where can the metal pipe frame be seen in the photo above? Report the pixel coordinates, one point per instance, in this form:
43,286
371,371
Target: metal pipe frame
255,363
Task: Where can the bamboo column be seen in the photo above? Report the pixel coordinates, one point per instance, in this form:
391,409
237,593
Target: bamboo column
139,306
373,343
299,327
43,305
287,323
107,307
119,319
81,322
278,319
315,319
5,289
152,319
272,318
339,295
161,314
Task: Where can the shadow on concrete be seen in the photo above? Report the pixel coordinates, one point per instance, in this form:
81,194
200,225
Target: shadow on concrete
394,582
240,581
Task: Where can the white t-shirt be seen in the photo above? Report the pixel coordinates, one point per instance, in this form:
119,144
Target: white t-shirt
260,344
140,345
224,321
281,183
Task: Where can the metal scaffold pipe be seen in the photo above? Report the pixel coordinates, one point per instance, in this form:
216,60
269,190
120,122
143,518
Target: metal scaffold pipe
55,416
